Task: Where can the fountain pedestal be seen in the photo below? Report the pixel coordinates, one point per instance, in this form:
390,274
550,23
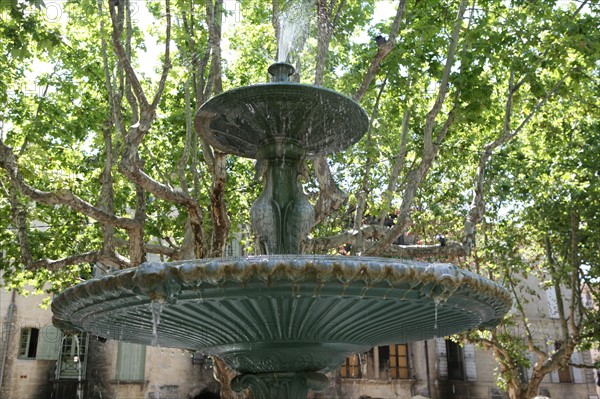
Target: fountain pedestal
281,217
280,385
278,124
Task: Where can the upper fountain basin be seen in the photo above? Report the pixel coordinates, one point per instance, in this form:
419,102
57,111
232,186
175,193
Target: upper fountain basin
242,121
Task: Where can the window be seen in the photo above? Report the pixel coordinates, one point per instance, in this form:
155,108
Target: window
229,250
73,356
388,362
496,393
564,375
384,358
587,301
399,361
131,362
393,361
41,344
28,343
552,303
522,373
455,358
351,367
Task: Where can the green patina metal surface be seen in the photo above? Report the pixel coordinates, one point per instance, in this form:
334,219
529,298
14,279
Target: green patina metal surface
278,124
282,314
281,320
281,216
243,120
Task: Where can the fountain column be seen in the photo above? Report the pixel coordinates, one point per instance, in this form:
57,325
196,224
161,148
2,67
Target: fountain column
281,216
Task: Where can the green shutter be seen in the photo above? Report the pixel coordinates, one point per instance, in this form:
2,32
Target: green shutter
131,362
48,343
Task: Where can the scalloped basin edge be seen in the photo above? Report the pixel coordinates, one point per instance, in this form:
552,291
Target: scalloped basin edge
281,313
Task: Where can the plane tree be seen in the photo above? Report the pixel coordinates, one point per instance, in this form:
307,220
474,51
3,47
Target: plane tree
101,163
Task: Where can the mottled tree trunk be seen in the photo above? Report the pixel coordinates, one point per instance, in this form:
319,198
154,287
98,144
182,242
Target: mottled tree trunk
328,14
331,197
220,218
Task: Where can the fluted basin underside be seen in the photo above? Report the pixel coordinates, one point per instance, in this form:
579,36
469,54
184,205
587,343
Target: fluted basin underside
282,313
243,120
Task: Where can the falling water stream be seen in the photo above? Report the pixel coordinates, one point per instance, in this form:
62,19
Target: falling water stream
435,318
156,308
78,363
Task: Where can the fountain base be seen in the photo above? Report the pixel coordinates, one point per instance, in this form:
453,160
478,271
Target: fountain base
280,385
269,357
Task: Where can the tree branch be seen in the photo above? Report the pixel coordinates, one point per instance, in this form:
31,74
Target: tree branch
19,218
331,197
114,98
167,59
213,20
58,197
54,265
159,249
135,111
374,233
414,179
107,201
382,52
326,22
122,56
363,195
398,165
477,210
430,149
221,223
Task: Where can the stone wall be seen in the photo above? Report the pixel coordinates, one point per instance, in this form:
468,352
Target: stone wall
24,378
168,374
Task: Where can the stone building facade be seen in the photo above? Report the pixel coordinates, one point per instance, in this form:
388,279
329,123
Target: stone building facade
442,369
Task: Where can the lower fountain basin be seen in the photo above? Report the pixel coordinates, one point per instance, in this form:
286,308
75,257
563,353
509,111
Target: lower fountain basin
280,313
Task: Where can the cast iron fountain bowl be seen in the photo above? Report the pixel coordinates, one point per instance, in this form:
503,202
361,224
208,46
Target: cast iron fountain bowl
280,313
243,120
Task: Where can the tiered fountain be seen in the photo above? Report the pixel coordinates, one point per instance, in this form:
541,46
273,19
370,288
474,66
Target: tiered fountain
281,319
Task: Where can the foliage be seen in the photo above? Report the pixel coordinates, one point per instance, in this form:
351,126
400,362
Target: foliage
483,127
